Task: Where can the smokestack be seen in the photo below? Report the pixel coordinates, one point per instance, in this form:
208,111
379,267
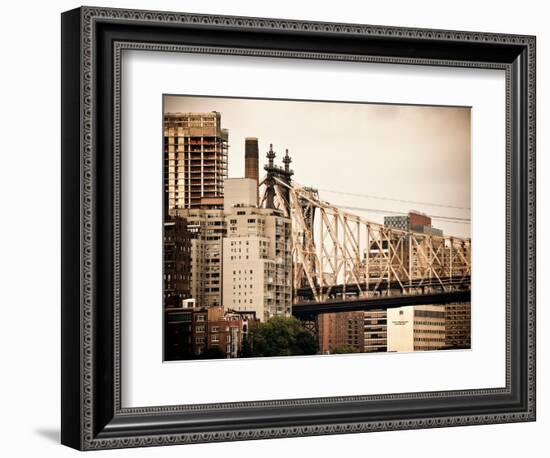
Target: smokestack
251,160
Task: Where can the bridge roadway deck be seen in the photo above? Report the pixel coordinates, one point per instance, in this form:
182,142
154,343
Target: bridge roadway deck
305,292
308,309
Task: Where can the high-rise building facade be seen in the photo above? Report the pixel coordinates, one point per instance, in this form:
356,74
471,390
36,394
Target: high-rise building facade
206,227
342,331
195,159
176,261
257,254
195,167
415,328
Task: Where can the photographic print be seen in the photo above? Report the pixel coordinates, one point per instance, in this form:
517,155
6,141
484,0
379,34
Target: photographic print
297,227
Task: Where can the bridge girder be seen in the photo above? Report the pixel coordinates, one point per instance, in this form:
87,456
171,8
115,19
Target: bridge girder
365,258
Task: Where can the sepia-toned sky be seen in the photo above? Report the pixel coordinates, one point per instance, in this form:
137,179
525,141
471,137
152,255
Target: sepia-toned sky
358,155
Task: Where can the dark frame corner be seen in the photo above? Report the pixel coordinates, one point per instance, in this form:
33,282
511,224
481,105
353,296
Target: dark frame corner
92,417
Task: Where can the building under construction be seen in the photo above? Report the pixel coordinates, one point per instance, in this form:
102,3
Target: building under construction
195,159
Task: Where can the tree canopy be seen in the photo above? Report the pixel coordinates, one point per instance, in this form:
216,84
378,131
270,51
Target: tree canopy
279,336
344,349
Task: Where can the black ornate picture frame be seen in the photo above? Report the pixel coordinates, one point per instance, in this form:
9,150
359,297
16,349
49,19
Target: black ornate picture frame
92,42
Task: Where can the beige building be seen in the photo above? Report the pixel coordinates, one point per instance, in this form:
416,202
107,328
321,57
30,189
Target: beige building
416,328
195,158
257,259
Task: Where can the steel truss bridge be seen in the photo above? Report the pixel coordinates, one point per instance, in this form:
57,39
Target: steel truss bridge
343,262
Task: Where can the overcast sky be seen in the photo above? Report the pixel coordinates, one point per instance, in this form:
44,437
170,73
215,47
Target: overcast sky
411,153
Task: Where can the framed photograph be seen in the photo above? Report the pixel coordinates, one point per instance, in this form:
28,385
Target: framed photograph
276,228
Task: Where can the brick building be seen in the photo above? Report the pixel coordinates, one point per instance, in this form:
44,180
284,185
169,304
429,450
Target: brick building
190,332
342,330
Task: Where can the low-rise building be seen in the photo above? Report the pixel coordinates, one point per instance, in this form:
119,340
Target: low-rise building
190,332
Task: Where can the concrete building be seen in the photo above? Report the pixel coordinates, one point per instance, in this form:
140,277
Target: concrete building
415,328
206,226
240,192
458,325
195,158
343,331
376,331
257,256
176,261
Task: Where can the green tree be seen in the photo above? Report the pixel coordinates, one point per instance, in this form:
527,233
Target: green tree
344,349
282,336
246,348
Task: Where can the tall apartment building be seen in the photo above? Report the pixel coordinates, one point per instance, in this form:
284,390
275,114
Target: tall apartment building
341,330
195,159
206,227
176,261
458,318
195,167
257,256
415,328
376,331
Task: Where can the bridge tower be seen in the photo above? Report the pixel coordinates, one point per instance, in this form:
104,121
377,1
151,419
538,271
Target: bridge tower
275,172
